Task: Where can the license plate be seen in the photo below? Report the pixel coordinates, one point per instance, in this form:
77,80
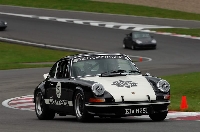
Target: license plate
136,111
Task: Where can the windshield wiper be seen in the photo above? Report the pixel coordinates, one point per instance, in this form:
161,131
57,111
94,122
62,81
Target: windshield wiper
118,71
114,73
134,71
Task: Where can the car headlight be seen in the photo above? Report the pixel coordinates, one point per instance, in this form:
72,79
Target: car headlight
163,86
138,41
98,89
153,41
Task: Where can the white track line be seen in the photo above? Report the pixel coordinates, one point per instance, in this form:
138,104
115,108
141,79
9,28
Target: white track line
63,48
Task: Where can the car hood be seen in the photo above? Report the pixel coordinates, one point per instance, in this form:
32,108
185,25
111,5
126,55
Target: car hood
131,87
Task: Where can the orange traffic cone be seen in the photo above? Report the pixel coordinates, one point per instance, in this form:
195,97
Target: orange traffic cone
140,59
184,104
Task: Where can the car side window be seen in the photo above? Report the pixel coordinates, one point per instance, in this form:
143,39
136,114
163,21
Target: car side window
53,70
63,70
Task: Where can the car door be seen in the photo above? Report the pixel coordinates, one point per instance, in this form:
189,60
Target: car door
129,40
50,85
58,86
125,41
63,90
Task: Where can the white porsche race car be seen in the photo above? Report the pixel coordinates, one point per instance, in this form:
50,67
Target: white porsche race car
104,85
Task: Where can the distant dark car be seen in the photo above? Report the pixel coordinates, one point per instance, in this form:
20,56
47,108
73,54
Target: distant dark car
136,39
3,25
104,85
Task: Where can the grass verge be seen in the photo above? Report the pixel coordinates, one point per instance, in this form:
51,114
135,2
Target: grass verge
185,85
17,56
103,7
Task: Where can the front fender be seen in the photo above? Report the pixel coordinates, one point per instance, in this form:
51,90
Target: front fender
153,81
41,88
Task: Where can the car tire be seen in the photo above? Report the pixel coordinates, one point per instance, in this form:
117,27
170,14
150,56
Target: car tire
42,110
79,107
158,116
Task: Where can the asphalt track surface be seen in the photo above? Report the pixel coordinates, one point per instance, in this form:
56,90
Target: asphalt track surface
174,55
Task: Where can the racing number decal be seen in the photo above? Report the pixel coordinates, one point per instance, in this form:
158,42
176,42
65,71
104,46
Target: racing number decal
58,90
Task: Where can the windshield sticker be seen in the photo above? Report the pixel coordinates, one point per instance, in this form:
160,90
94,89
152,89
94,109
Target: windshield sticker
98,57
127,84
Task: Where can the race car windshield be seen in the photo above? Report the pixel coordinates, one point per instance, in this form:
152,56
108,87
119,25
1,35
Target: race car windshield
93,67
141,35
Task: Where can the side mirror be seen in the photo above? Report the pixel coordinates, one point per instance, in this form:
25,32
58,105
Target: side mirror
46,75
72,78
147,74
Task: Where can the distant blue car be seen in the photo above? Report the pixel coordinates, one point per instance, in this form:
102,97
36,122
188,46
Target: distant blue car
3,25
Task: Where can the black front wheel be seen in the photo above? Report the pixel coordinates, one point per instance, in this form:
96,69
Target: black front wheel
42,110
79,107
158,116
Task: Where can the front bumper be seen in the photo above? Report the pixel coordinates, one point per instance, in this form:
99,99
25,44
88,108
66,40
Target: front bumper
3,27
146,45
127,109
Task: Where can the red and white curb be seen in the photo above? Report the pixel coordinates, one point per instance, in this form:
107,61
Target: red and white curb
172,34
26,103
174,115
22,103
114,25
